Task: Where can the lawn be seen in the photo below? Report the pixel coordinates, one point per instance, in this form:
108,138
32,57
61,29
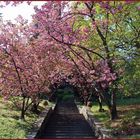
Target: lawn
127,125
10,124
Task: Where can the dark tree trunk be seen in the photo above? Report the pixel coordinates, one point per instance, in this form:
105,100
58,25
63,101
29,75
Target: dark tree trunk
110,101
113,113
100,104
22,117
23,110
113,109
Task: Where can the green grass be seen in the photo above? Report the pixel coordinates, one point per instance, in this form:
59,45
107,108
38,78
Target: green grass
102,116
10,124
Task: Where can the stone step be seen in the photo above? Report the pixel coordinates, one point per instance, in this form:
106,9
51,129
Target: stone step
68,129
67,122
68,135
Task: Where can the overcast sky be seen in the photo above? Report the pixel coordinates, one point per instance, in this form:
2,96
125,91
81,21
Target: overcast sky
11,12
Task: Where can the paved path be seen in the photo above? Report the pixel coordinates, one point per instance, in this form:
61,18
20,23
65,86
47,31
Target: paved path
66,122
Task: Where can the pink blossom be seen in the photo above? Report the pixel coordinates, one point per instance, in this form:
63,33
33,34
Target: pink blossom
138,7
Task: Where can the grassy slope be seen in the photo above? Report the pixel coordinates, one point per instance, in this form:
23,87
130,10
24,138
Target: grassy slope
128,122
10,124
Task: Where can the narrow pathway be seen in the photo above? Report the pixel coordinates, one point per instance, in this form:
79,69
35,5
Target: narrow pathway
66,122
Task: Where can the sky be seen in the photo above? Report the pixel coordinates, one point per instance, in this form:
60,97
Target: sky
11,12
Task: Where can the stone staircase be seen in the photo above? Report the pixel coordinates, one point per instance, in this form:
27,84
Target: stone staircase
66,122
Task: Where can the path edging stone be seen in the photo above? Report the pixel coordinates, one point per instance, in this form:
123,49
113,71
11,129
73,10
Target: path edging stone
100,131
40,123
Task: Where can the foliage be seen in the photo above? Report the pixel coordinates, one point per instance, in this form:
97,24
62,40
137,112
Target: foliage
131,78
64,94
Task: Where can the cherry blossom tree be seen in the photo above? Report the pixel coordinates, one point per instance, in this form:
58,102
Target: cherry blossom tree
21,72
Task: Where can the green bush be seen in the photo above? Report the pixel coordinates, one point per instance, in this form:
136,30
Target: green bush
64,94
66,97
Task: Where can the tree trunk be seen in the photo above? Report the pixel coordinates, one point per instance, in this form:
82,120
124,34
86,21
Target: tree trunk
113,109
113,113
110,101
100,104
22,117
